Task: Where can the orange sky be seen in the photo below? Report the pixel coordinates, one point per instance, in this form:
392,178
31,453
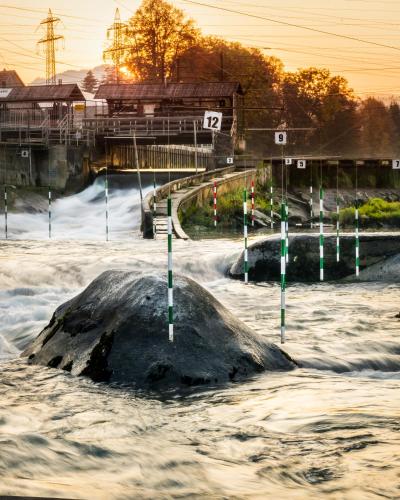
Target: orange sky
370,69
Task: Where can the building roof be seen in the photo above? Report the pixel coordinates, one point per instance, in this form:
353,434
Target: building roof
10,78
43,93
169,91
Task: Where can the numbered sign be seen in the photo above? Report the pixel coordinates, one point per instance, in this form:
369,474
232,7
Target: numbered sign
288,161
301,163
229,161
212,120
396,164
280,138
25,153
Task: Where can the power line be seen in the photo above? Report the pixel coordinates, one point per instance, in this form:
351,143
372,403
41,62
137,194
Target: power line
293,25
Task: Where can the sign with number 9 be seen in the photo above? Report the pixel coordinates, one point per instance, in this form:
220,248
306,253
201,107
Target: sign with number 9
280,138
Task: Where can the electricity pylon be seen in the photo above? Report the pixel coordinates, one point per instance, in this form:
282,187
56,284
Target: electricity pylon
115,52
49,42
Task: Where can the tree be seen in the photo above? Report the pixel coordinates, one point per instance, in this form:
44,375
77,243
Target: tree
315,99
109,76
394,111
377,128
213,59
158,33
90,82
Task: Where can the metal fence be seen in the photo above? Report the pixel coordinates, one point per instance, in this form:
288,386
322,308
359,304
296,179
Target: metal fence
162,157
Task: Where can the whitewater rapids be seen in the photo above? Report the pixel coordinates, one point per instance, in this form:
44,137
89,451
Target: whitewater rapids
329,429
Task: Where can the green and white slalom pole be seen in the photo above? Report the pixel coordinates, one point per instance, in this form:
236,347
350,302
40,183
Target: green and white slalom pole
49,212
283,271
170,284
106,199
154,198
337,230
246,263
357,241
321,234
311,208
5,212
271,205
287,232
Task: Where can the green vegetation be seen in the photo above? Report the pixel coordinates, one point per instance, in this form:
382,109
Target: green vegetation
375,212
230,211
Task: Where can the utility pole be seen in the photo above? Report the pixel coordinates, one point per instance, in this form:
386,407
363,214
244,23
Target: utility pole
115,52
49,42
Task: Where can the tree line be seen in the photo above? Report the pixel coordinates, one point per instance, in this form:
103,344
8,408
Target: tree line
161,44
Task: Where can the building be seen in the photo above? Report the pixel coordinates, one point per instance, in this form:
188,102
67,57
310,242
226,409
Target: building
144,99
10,79
47,107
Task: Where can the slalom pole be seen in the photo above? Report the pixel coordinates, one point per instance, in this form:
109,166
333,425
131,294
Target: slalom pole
337,230
170,284
287,232
5,212
286,213
357,241
106,193
311,198
49,211
321,234
154,195
246,263
283,271
271,204
357,229
215,203
337,215
252,203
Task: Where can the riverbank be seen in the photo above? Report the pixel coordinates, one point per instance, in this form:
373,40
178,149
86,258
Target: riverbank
379,209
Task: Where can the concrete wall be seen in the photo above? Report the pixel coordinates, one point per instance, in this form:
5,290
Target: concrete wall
63,167
14,168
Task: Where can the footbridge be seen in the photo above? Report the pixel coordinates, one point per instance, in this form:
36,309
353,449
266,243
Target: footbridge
193,189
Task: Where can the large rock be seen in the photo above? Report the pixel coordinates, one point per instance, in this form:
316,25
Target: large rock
378,250
116,331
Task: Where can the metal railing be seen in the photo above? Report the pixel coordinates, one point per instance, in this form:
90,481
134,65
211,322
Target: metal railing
163,157
148,126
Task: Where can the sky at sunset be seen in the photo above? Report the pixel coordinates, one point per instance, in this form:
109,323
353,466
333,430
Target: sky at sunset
276,26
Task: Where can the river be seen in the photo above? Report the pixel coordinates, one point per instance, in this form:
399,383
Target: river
328,430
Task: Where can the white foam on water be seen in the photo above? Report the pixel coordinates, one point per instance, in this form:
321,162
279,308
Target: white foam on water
82,216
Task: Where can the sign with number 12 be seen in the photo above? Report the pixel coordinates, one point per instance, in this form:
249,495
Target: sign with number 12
212,120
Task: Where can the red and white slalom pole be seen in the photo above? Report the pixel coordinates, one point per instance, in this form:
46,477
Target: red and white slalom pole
215,203
252,203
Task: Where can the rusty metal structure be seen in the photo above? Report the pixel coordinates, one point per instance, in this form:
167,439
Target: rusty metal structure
49,42
116,51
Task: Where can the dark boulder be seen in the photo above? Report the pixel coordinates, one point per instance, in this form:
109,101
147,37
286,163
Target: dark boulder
116,331
377,253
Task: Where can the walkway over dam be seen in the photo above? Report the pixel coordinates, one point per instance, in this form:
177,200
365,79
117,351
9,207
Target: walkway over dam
370,174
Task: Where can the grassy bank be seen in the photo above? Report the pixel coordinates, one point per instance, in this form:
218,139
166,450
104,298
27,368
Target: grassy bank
376,212
230,212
